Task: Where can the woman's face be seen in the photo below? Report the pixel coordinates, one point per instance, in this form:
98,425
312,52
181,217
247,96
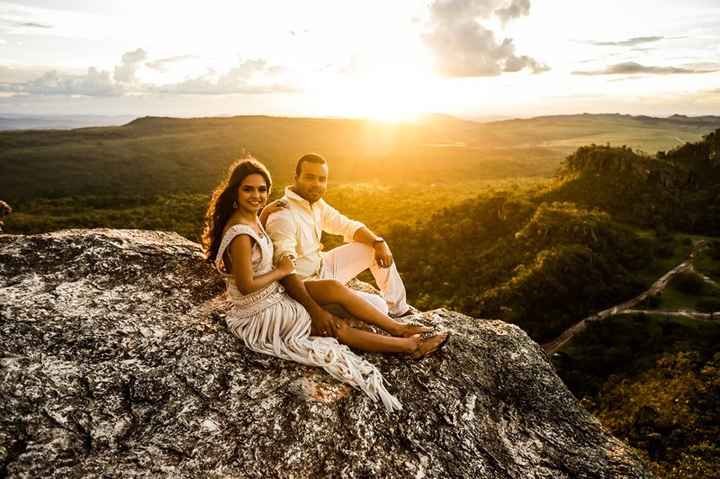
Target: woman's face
252,193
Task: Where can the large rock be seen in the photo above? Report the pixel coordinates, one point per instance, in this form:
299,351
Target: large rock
115,361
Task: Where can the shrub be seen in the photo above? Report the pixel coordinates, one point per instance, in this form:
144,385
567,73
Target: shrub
709,305
665,250
651,302
688,283
714,251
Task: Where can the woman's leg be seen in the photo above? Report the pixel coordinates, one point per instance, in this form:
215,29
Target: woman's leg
378,343
327,291
374,343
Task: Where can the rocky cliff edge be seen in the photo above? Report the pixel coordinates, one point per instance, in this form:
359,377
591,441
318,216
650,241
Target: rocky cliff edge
115,361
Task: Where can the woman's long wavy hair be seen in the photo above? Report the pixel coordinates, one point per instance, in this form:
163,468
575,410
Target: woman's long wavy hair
221,204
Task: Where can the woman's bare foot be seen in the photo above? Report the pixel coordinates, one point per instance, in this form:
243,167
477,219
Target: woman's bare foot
408,330
427,346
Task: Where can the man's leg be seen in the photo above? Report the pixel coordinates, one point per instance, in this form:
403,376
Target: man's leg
347,261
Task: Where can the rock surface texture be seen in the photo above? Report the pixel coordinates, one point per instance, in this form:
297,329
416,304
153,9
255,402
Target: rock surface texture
115,362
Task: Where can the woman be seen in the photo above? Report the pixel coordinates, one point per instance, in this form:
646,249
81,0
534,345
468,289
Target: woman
267,319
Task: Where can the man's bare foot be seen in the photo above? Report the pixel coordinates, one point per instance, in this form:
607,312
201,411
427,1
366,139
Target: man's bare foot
427,346
408,330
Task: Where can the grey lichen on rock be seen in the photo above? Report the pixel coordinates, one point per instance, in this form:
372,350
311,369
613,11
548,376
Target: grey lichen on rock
115,360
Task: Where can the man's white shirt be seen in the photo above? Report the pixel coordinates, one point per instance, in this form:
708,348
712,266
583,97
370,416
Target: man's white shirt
297,230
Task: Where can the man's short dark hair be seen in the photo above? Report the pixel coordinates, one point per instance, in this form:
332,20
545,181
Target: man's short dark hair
310,158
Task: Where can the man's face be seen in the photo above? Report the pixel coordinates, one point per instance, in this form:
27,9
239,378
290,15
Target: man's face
311,184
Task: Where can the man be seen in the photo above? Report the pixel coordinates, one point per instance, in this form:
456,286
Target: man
296,231
5,210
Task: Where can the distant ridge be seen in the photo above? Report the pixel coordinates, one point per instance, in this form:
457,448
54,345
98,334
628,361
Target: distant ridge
675,118
9,122
165,155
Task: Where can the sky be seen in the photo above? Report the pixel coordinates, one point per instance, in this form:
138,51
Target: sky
390,60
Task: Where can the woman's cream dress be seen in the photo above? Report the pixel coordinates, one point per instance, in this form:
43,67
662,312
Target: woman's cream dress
269,321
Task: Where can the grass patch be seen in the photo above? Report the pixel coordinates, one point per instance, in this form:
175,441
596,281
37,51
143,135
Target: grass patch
675,251
674,298
708,263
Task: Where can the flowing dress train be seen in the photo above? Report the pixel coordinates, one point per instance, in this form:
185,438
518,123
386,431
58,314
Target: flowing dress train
269,321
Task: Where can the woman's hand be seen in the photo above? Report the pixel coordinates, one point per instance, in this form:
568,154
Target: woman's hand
286,265
271,208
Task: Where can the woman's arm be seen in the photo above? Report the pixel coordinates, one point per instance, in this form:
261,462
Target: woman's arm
245,279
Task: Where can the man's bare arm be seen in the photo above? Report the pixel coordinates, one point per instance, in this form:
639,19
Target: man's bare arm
364,235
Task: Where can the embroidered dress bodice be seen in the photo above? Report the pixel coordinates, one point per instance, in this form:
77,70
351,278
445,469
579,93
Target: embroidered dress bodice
269,321
262,262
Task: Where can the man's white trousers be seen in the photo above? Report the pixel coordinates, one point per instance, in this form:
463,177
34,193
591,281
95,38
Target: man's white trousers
347,261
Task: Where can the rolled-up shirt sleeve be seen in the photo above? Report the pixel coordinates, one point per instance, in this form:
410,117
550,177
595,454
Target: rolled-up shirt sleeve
281,228
336,223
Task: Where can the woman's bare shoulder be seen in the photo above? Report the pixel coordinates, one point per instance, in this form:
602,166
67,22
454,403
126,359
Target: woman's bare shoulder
243,226
233,222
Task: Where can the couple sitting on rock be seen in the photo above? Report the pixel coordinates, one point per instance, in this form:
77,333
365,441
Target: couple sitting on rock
258,247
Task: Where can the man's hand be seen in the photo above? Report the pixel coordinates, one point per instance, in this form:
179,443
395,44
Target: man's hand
323,323
383,255
271,208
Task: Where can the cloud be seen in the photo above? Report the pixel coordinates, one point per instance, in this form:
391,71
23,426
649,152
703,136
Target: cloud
516,8
16,23
94,83
255,76
631,42
162,63
515,64
632,68
622,79
131,61
249,77
463,47
20,74
702,65
32,25
447,11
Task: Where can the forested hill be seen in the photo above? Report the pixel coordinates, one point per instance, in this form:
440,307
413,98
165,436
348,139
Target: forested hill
157,156
679,189
546,259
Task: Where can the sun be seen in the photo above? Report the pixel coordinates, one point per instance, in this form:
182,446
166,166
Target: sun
390,111
396,95
388,94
